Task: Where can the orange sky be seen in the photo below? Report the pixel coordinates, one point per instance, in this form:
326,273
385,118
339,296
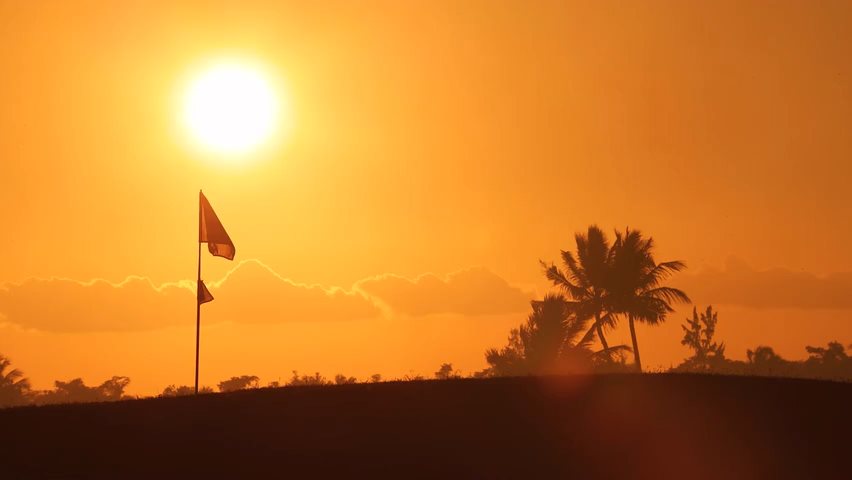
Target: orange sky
428,137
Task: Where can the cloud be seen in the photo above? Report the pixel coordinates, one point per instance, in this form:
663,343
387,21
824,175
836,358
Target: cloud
739,284
474,291
254,293
60,304
250,293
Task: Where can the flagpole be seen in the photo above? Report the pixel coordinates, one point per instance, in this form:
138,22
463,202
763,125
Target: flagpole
197,296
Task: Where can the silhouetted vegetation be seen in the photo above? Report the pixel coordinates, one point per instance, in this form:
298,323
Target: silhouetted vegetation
175,391
447,372
830,362
585,279
14,387
341,379
76,391
307,380
599,284
698,335
607,281
551,341
636,284
239,383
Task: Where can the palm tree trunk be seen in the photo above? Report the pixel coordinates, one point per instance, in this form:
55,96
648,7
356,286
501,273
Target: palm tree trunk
636,359
599,329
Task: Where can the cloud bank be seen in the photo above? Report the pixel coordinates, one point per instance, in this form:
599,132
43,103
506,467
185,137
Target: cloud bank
474,291
739,284
65,305
253,293
250,293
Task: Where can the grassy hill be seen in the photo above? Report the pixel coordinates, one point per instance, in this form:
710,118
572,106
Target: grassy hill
613,426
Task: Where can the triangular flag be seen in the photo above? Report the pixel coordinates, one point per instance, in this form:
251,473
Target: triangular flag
211,231
204,295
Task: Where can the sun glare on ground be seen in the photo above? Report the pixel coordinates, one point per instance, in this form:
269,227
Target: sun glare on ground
231,108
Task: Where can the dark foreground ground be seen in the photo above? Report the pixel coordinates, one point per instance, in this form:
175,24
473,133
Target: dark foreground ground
619,426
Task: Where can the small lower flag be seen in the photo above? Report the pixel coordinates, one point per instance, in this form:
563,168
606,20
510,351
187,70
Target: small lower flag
204,295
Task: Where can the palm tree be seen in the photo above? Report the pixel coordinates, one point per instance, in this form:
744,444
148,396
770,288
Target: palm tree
635,284
584,279
548,342
13,386
548,328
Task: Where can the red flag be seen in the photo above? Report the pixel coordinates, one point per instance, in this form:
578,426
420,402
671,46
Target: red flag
204,295
211,231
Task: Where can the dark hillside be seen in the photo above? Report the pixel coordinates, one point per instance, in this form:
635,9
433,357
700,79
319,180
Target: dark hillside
620,426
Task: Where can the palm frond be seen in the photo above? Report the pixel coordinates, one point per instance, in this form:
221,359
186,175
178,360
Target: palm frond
660,272
616,349
559,279
575,267
573,326
668,294
609,320
650,310
606,353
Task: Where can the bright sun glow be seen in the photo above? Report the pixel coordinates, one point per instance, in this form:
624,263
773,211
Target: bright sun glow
230,108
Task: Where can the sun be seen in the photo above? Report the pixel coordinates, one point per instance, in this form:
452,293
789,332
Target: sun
231,108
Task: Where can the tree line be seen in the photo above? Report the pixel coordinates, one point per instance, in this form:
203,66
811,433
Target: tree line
16,390
602,284
597,286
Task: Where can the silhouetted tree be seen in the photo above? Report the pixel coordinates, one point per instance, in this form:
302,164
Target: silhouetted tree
548,328
179,391
446,372
239,383
698,335
585,278
549,342
76,391
14,387
829,362
635,284
307,380
113,389
764,361
509,361
834,353
376,378
341,379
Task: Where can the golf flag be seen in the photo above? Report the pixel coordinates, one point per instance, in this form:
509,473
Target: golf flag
204,295
211,232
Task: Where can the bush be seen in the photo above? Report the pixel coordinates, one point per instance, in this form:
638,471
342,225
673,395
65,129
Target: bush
239,383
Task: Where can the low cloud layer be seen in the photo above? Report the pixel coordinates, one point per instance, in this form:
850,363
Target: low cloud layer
739,284
474,291
251,293
64,305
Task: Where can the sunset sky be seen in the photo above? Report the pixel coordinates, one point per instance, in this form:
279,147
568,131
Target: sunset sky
428,155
